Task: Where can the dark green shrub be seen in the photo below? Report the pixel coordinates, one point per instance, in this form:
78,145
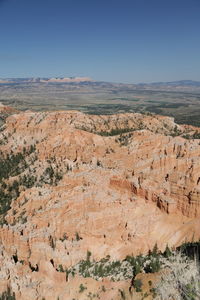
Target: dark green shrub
137,284
82,288
78,238
7,295
153,267
167,253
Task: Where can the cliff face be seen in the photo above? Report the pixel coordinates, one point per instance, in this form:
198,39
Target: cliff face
73,190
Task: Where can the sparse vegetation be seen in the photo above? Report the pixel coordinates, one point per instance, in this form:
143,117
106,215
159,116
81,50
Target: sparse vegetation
78,238
179,279
12,165
7,295
137,284
82,288
118,270
112,132
64,238
116,131
19,165
171,265
123,139
195,135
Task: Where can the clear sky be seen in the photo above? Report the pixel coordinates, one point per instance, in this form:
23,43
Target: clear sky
114,40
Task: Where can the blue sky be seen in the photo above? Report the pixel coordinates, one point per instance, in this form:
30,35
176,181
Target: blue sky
120,41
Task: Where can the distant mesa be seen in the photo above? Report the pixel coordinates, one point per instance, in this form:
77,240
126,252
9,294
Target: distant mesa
46,80
68,79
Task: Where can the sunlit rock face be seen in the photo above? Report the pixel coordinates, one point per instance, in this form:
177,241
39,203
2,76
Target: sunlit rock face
111,185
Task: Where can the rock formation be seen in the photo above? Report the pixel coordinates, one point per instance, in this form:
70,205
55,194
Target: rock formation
111,185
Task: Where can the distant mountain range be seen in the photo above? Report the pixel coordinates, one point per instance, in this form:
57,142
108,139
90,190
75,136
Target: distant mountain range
175,83
87,80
